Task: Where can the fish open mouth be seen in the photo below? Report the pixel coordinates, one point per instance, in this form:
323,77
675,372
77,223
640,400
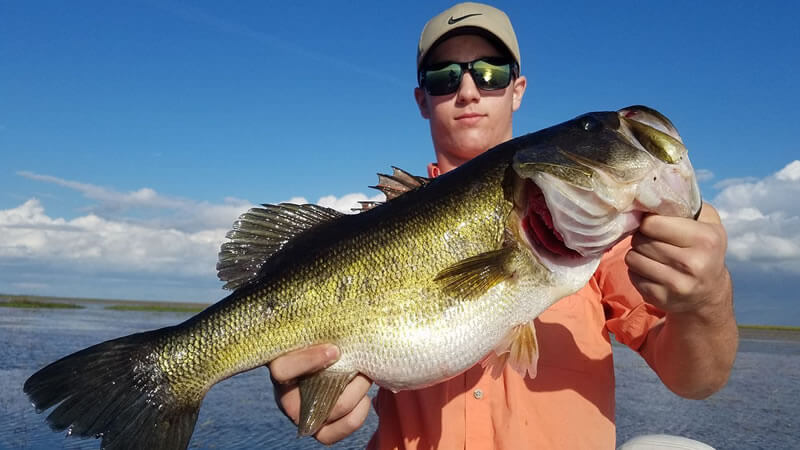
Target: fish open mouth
538,224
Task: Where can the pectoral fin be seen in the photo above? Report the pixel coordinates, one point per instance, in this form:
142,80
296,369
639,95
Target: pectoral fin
472,277
519,348
318,395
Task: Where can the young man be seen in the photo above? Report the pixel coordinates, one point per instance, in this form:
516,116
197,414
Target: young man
665,293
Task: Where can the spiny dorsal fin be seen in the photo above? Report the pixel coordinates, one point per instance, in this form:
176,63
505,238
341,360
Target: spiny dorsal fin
393,186
259,233
398,183
318,395
472,277
519,348
366,205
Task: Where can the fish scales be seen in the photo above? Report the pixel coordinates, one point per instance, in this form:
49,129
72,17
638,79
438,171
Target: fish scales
385,272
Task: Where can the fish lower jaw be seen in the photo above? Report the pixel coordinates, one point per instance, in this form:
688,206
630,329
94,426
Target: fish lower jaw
601,239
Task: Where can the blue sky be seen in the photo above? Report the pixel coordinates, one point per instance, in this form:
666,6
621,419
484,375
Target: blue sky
153,124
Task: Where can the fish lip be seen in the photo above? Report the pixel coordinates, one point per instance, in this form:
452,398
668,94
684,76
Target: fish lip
658,121
640,126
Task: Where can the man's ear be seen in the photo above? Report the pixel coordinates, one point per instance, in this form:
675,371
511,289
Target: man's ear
519,90
422,104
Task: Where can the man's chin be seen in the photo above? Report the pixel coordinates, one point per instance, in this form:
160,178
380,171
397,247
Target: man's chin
464,144
472,143
468,151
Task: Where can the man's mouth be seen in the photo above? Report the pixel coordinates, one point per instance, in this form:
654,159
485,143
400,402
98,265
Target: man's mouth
538,224
469,117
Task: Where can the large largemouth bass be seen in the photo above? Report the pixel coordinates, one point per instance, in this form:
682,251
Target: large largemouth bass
412,292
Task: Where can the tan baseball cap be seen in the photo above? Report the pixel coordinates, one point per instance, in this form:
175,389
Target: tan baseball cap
472,15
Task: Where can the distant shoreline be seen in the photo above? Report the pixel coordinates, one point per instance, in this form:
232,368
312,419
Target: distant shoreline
769,332
746,331
139,305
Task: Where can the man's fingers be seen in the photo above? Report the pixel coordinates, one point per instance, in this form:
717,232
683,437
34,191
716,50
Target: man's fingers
657,250
683,232
287,396
353,393
709,215
346,425
347,415
286,368
346,412
658,282
647,267
350,410
655,271
682,259
652,292
672,230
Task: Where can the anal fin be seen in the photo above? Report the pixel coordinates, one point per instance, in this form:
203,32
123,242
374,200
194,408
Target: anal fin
318,395
519,349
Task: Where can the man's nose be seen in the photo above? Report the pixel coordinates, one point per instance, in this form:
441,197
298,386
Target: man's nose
468,92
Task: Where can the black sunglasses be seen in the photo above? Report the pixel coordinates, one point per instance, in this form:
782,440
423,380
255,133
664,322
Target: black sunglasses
489,74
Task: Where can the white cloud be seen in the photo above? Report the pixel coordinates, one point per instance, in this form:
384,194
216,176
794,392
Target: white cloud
179,241
170,212
762,218
734,181
297,200
347,202
704,175
789,173
98,244
144,197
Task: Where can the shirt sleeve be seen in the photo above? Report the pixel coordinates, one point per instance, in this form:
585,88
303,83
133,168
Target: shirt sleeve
627,315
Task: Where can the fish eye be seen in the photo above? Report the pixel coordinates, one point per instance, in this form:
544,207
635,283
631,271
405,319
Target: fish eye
589,123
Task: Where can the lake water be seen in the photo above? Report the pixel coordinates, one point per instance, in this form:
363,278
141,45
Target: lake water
759,408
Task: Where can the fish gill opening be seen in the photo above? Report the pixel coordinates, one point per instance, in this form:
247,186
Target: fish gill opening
538,224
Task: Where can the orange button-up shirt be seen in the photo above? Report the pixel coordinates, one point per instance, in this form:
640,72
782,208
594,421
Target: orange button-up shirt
570,403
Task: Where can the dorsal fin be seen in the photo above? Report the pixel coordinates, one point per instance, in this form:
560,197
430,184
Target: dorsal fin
398,183
259,233
366,205
393,186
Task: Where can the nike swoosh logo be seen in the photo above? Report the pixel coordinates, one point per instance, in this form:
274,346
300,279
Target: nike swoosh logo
451,20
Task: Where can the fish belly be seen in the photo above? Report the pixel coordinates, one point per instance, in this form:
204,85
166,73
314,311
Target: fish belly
412,352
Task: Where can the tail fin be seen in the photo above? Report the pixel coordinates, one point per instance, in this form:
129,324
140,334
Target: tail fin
115,391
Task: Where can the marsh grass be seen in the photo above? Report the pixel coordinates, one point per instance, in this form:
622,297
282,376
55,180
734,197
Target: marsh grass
769,332
36,301
769,328
25,303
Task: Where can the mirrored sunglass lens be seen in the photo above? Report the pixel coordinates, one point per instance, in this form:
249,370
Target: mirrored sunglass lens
443,80
491,76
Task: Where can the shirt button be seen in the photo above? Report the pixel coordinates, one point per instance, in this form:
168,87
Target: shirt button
478,394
